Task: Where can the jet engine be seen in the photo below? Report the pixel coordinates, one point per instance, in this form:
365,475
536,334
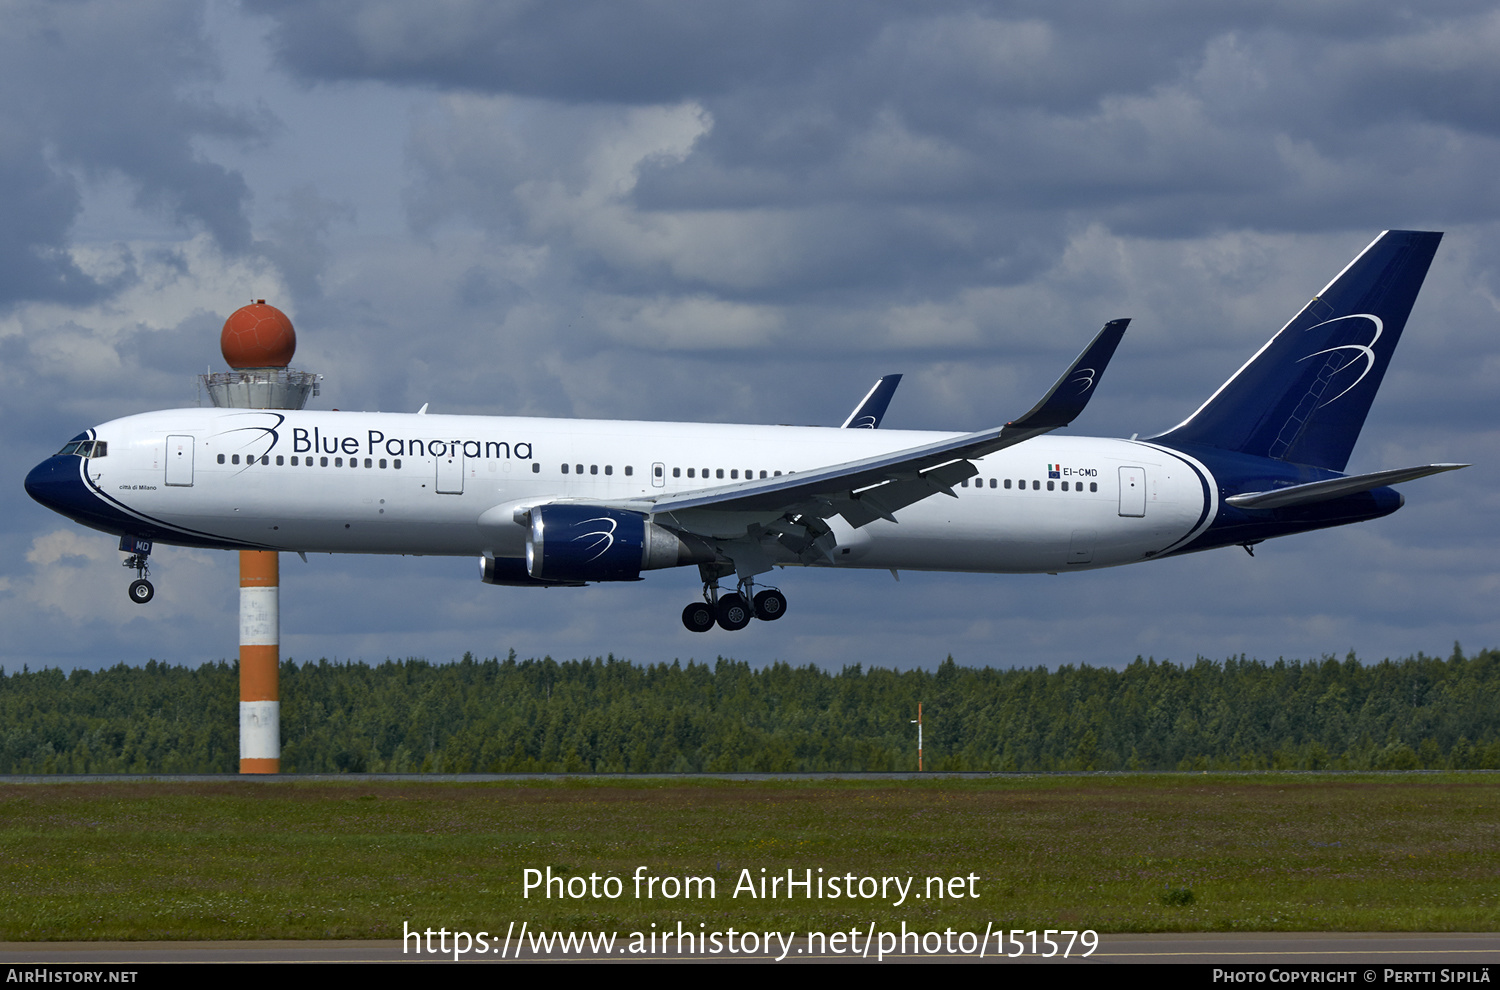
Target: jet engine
511,572
575,543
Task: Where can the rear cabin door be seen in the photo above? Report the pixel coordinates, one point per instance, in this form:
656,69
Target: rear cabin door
1132,491
180,461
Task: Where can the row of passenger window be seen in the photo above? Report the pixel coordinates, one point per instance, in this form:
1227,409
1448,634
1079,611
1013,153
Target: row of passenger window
734,473
370,462
1036,486
593,469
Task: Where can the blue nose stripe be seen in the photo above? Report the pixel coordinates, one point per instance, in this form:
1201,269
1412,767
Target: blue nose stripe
58,484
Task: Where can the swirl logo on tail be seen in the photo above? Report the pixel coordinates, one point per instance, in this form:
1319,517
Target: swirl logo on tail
1366,351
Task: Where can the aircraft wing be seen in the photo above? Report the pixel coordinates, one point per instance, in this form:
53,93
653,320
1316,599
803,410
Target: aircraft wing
875,487
1322,491
871,409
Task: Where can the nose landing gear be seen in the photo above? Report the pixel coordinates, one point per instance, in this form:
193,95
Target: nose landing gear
141,591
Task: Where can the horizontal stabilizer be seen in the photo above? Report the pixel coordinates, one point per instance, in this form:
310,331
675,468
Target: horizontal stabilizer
1322,491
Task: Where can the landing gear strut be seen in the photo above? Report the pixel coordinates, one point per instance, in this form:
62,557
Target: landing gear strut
732,610
141,590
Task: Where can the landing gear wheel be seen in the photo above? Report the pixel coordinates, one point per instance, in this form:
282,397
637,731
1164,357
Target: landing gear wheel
734,613
698,617
141,591
770,605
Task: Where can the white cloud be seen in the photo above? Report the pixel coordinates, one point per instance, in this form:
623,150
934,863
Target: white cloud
75,582
694,323
744,234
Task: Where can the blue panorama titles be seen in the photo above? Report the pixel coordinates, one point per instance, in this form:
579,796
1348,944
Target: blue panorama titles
313,442
811,885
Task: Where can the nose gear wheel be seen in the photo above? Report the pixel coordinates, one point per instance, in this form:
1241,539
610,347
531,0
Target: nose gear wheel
141,591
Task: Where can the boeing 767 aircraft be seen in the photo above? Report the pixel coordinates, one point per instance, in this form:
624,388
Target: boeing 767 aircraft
558,502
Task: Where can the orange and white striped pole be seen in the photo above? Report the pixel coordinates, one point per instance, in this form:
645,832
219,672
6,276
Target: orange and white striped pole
260,658
918,721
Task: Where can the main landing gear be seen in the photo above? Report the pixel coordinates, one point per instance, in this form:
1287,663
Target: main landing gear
141,590
733,610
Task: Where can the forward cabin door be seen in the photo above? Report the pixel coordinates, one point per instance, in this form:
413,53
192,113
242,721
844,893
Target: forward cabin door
1132,491
450,471
180,461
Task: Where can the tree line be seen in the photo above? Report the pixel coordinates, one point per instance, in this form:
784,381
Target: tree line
608,715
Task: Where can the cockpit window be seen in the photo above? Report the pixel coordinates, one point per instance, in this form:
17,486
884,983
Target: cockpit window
84,448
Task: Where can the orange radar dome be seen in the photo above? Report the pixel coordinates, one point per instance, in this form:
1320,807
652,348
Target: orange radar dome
258,336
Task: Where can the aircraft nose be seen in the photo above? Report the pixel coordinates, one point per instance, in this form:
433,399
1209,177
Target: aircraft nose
56,483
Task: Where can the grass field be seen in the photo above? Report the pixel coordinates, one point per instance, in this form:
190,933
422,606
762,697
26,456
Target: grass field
237,859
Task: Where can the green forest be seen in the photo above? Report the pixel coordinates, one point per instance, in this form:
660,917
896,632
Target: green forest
613,716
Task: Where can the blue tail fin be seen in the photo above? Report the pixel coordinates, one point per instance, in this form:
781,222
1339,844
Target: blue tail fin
871,409
1304,396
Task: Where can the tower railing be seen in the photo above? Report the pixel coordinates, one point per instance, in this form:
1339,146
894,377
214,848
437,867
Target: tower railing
260,388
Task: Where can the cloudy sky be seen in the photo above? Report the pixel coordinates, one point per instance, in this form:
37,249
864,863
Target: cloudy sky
738,212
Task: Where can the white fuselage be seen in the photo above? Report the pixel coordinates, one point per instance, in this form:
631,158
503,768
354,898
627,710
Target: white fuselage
388,483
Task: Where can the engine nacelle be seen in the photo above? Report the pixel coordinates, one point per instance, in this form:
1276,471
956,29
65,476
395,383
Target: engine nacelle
590,543
511,572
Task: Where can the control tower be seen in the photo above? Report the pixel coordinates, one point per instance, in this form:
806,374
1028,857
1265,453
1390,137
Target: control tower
258,343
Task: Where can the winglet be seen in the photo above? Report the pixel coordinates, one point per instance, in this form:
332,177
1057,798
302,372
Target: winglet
871,409
899,478
1066,400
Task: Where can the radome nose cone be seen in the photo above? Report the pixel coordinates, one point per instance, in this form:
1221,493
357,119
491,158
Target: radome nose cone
55,483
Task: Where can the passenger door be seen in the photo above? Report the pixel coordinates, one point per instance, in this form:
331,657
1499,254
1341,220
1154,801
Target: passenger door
180,461
450,471
1132,491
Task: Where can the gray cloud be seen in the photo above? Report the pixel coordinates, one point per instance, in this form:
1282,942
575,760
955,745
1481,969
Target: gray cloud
876,155
746,213
100,89
595,51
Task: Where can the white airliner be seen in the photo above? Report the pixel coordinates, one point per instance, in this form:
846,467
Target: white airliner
557,502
